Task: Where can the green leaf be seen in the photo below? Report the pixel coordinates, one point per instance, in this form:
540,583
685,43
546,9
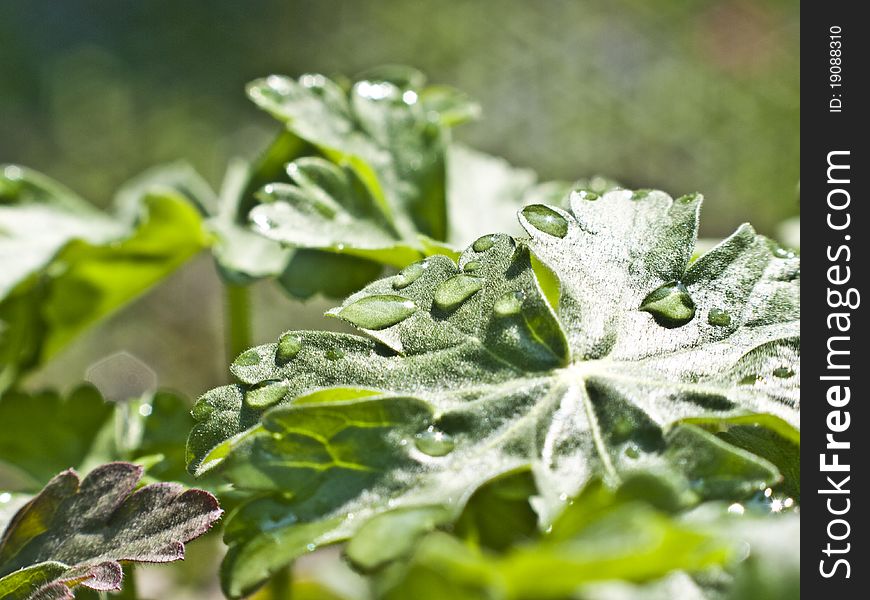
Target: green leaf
613,545
71,265
66,428
76,532
385,183
382,130
498,369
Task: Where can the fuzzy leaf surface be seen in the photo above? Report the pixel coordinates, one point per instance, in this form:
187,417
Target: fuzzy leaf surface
77,532
581,351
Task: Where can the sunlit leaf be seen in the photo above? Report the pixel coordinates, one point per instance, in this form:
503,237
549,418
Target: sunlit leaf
77,532
582,362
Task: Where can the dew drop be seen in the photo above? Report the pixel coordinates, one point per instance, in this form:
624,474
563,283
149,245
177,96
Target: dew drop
334,354
587,195
456,290
749,380
266,394
312,80
640,194
718,317
408,275
310,547
689,198
471,266
378,312
783,372
484,243
670,305
632,451
545,219
288,347
248,358
783,253
262,222
434,442
509,304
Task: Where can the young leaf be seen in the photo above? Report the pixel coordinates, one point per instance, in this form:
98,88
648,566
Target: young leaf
577,353
76,532
387,140
67,265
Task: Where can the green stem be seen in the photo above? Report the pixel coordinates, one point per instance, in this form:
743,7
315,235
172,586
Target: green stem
129,589
280,587
239,335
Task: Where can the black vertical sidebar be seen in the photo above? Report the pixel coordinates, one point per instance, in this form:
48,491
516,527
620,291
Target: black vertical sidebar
835,456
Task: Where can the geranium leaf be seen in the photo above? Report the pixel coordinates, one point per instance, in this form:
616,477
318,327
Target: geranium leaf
578,352
77,532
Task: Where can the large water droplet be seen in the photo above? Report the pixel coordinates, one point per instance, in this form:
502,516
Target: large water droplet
248,358
471,266
266,394
543,218
484,243
288,347
456,290
718,317
434,442
588,195
670,305
408,275
378,312
508,304
783,372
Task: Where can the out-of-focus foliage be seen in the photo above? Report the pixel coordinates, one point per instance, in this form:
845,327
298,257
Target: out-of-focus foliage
685,96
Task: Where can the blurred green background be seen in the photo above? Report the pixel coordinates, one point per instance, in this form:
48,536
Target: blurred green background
683,95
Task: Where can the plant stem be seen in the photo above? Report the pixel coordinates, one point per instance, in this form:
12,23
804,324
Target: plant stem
280,587
238,320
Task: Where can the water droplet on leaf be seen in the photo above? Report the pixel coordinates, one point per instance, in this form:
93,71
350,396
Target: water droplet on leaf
670,305
640,194
288,347
248,358
378,312
456,290
509,304
688,198
718,317
266,394
484,243
545,219
434,442
632,451
783,372
334,354
587,195
471,266
408,275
